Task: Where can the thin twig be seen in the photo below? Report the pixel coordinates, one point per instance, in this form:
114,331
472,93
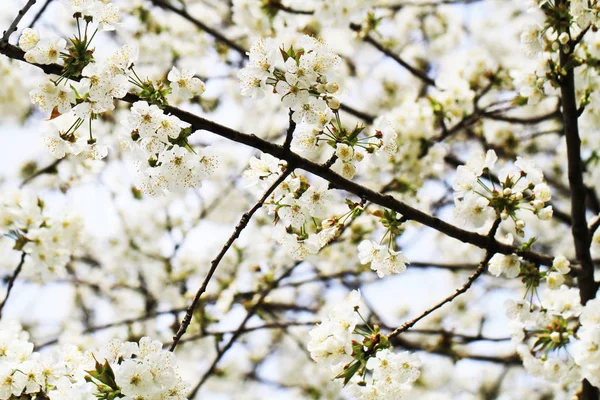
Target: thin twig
472,278
50,169
238,332
185,323
419,74
11,281
201,25
275,325
13,27
40,13
399,6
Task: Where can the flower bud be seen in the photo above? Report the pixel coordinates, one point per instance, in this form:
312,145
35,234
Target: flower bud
537,204
545,213
334,103
520,233
554,280
518,196
332,87
520,224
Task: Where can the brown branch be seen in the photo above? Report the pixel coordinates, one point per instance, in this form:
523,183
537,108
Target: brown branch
358,114
290,132
399,6
291,10
417,73
274,325
13,26
520,120
594,226
164,4
580,231
49,169
238,332
40,13
464,338
11,281
215,263
336,180
466,286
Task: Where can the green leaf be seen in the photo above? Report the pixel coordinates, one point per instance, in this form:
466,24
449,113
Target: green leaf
104,373
349,372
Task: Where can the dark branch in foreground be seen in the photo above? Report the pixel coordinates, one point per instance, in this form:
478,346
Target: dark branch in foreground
579,228
336,180
13,26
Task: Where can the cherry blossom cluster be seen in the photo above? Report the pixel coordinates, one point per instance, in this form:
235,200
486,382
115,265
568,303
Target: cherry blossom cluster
165,160
558,339
513,266
159,144
302,210
303,81
48,239
299,74
118,370
543,334
105,14
383,258
519,190
586,351
71,107
13,99
100,82
334,346
543,43
352,146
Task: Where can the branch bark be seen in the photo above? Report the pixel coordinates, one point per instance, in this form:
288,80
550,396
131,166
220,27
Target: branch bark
187,319
11,281
13,26
579,227
323,171
472,278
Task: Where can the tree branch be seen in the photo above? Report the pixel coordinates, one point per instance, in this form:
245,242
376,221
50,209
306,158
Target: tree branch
40,13
478,272
11,281
215,263
579,228
13,26
339,182
417,73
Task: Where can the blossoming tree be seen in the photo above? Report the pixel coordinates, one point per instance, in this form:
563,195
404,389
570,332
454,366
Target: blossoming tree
285,199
